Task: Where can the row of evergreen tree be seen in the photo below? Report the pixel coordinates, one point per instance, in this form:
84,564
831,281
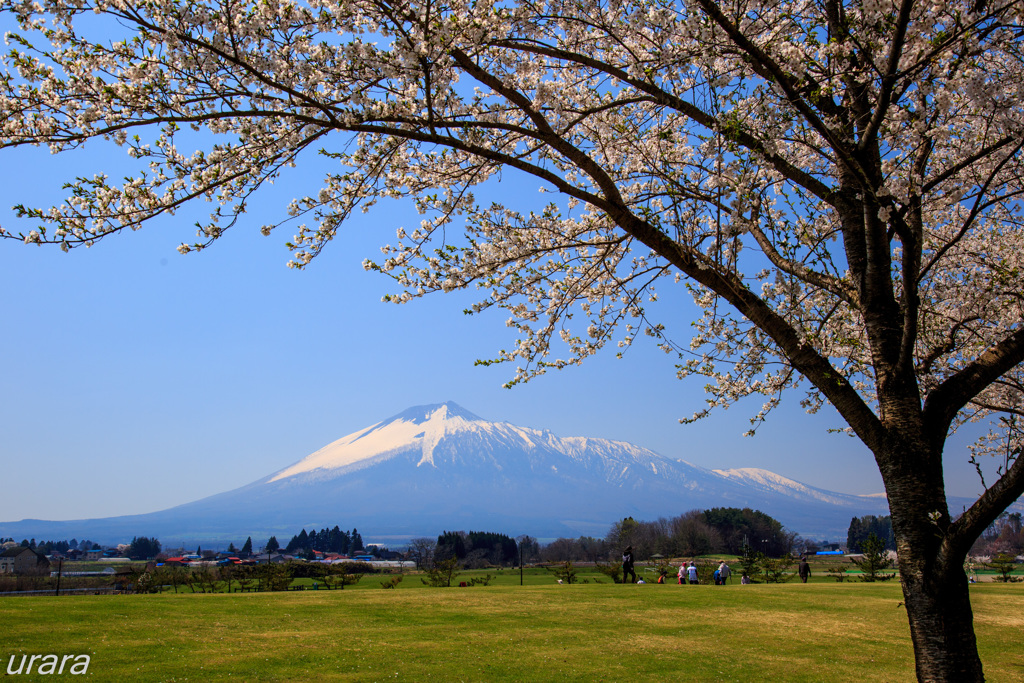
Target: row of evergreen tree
143,548
246,549
334,540
861,529
485,546
744,526
47,547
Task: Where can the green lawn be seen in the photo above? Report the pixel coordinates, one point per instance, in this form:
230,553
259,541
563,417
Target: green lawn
539,632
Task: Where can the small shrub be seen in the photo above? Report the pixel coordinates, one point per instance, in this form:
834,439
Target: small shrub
1004,563
875,560
775,570
665,568
341,575
392,582
612,571
146,583
566,572
748,561
442,573
706,573
838,572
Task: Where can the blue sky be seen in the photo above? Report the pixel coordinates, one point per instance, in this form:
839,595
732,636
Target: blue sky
136,378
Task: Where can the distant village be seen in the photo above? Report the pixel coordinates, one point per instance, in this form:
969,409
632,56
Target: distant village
330,555
31,558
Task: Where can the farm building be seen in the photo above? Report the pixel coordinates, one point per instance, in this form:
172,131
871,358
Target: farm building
22,560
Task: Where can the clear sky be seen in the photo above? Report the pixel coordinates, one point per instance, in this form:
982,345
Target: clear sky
136,378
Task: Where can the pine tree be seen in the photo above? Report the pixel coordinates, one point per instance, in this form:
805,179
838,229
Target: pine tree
299,541
357,542
749,562
1004,563
875,561
855,535
337,542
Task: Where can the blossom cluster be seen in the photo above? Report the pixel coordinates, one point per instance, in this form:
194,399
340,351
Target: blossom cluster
818,183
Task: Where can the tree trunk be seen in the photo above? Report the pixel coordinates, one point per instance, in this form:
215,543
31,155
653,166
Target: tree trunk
935,587
941,624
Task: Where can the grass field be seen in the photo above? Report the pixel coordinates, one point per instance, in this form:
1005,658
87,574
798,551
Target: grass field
503,632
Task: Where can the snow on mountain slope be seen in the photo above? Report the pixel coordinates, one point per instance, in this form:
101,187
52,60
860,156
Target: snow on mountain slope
776,483
483,462
447,433
421,428
438,467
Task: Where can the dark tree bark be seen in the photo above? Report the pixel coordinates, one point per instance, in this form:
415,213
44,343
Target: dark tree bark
935,588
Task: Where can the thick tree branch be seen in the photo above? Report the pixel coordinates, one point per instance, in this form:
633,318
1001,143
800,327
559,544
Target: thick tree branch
973,215
801,355
775,73
946,400
968,527
891,75
735,133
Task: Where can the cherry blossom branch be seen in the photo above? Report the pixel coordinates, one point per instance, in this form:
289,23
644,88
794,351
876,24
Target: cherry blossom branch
943,403
890,76
962,533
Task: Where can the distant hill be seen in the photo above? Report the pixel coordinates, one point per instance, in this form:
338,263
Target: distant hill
440,467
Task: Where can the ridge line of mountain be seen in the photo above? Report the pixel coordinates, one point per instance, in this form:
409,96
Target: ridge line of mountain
439,466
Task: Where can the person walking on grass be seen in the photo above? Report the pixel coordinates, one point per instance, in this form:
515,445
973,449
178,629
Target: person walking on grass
723,573
682,574
804,570
627,565
691,572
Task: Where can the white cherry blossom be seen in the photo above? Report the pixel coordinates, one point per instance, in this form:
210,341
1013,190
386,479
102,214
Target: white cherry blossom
836,183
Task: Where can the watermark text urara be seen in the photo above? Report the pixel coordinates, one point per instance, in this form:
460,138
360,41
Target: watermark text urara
48,664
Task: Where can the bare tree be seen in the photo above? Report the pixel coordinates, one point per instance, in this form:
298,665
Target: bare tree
421,551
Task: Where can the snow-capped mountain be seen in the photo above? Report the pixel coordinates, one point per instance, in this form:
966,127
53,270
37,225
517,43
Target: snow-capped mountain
449,438
769,482
440,467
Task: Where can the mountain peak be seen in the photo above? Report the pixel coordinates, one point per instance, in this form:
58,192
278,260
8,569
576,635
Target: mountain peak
419,427
442,411
439,466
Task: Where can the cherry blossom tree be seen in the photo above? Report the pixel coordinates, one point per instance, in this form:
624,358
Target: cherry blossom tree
837,183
